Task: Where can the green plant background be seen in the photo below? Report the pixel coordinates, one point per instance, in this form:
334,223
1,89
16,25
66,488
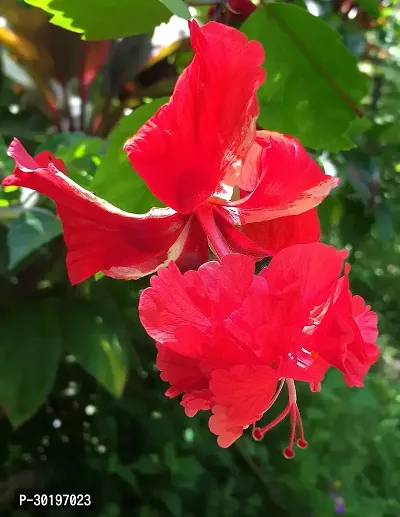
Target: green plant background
82,408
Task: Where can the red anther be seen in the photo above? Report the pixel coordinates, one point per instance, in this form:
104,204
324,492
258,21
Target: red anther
288,453
296,425
257,434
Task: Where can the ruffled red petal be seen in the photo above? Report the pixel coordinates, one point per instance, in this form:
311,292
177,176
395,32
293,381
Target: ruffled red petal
221,425
99,236
280,233
366,320
209,122
196,400
182,372
345,336
307,272
197,299
290,182
169,305
362,351
245,391
271,328
241,395
249,172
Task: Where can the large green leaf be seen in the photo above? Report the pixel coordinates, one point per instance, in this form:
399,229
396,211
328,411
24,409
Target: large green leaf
30,350
96,344
106,19
29,232
115,180
313,85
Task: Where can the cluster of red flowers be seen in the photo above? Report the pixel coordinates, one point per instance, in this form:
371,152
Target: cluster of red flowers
227,339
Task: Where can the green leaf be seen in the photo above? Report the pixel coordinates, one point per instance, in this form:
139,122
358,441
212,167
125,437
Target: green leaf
96,345
313,85
29,232
177,7
30,351
115,180
106,19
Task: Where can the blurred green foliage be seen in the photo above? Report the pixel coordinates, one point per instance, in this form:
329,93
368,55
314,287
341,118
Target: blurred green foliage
82,405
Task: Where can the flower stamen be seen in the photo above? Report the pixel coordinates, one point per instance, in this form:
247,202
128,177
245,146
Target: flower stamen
296,425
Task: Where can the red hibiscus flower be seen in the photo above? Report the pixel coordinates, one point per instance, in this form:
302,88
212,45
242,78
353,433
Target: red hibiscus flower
229,340
228,186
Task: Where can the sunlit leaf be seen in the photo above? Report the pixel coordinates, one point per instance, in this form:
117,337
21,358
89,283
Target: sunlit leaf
313,87
106,21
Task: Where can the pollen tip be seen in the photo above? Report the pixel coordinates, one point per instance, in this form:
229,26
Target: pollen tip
257,434
288,453
302,443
